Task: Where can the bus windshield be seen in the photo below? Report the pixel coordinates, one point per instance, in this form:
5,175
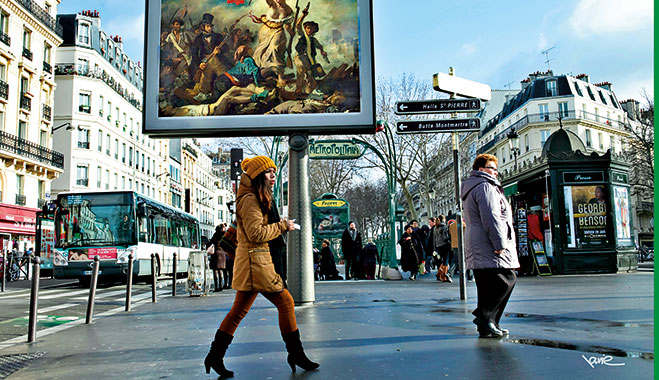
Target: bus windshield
89,220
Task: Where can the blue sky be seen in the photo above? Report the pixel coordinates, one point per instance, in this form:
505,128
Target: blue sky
493,42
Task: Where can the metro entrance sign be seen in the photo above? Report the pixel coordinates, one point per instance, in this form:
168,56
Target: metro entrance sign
443,125
437,106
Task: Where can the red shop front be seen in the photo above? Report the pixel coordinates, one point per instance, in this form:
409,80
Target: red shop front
17,227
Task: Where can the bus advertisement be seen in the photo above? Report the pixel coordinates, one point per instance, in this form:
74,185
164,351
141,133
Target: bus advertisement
112,225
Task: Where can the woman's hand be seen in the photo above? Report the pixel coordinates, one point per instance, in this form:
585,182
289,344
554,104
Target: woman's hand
291,225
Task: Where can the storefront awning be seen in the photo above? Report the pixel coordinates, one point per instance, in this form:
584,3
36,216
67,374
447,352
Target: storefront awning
18,220
510,189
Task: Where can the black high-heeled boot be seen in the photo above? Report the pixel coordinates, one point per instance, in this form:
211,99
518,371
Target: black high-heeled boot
296,354
215,357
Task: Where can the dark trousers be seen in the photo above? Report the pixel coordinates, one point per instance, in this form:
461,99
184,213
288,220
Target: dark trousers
493,286
350,262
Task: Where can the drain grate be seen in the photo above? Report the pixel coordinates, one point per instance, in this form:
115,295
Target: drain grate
12,363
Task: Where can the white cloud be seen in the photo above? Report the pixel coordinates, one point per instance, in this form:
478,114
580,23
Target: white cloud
610,16
542,42
467,50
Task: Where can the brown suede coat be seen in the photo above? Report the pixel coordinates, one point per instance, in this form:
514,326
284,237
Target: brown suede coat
253,269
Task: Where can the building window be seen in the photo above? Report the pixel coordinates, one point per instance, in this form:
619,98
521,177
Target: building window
116,181
526,141
83,138
590,93
601,140
99,172
27,39
130,156
4,25
107,180
22,129
107,144
82,178
2,121
85,102
544,135
583,111
562,109
602,97
589,140
46,53
101,105
83,33
597,114
43,137
123,153
544,112
116,149
100,140
551,88
83,66
109,110
130,184
20,185
123,182
611,143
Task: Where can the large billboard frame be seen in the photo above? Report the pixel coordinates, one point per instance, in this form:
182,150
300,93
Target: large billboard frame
360,122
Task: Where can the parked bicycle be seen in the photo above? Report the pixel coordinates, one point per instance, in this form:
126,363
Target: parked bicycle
17,265
645,254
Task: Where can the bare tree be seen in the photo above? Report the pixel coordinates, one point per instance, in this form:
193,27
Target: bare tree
330,176
640,146
410,151
369,206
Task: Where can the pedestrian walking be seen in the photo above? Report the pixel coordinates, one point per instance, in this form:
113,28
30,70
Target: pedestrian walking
258,266
328,269
371,258
228,244
443,248
217,257
351,246
453,262
490,248
409,259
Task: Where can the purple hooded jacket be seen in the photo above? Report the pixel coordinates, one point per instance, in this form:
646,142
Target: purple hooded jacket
489,223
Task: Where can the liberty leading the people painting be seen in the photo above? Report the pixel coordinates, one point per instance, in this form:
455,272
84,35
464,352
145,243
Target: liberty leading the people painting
258,57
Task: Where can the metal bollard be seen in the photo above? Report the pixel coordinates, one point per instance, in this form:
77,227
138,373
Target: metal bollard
153,277
34,295
92,291
129,281
4,270
174,275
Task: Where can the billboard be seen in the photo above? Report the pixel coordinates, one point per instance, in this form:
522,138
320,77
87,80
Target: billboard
586,214
258,67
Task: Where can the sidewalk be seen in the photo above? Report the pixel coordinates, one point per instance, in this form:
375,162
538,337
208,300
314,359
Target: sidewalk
375,330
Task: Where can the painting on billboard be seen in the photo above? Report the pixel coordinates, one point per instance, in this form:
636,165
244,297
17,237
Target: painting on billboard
258,67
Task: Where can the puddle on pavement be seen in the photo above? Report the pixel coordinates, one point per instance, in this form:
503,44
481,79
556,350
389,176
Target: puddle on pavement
552,318
586,348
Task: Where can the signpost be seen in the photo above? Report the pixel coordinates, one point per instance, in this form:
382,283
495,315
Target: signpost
450,84
437,106
441,125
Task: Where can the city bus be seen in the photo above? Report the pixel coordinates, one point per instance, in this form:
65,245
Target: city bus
114,224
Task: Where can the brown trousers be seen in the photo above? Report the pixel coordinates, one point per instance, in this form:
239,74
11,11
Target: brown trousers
243,302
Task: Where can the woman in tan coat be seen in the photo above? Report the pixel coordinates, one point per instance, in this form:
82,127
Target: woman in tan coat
257,266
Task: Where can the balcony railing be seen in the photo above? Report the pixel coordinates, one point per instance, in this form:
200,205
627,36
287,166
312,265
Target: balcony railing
84,108
26,102
20,200
5,39
27,53
549,117
4,90
83,144
25,148
43,16
47,112
47,67
82,181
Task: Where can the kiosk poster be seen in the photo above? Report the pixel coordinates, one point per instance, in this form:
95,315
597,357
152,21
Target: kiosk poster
329,217
258,67
586,215
621,205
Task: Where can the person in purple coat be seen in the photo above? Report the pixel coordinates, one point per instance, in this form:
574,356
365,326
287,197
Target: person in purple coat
490,248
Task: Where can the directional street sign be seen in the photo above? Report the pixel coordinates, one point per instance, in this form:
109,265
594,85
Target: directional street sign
461,87
443,125
437,106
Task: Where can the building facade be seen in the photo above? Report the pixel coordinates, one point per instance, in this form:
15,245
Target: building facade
29,38
99,103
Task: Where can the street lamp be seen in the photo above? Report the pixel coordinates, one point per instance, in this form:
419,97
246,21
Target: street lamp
68,126
513,142
431,197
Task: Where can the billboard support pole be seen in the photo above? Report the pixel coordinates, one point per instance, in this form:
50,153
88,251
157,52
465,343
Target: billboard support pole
300,255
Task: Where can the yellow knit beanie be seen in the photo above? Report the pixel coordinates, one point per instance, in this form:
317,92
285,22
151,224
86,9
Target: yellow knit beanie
257,165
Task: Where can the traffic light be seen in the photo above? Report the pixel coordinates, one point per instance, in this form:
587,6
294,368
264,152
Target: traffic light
236,159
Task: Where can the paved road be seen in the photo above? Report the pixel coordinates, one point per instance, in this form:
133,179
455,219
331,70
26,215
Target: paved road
562,327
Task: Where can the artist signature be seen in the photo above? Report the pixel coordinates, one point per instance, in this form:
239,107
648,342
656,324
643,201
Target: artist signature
604,360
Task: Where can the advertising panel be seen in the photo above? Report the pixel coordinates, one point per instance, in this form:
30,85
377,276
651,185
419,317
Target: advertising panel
329,217
585,207
258,67
623,222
